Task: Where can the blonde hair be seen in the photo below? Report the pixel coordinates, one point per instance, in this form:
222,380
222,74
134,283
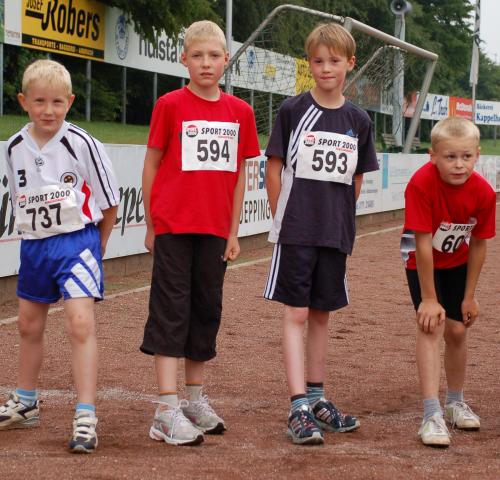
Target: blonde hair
454,127
334,37
203,30
49,72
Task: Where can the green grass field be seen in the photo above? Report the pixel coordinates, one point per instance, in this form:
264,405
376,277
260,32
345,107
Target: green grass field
108,132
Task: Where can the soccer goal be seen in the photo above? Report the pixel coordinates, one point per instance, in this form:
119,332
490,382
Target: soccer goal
271,66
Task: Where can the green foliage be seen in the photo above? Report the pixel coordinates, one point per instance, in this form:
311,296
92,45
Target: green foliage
150,16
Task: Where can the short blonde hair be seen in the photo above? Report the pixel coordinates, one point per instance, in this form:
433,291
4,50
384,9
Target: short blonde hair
454,127
333,36
203,30
47,71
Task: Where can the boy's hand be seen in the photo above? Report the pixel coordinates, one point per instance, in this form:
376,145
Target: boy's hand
430,314
470,311
149,240
232,248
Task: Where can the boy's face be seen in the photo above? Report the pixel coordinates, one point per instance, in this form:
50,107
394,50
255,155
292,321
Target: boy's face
47,106
205,61
329,68
455,159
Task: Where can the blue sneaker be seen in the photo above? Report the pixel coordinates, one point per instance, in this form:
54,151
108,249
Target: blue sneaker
303,429
329,418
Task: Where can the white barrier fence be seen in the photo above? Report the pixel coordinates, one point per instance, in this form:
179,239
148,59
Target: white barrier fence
381,191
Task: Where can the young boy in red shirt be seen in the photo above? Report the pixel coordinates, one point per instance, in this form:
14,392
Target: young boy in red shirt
449,214
193,187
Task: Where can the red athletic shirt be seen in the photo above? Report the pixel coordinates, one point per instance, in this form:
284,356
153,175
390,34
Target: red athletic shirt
447,211
185,198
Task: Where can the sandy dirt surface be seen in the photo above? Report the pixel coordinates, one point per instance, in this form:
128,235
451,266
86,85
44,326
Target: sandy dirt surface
371,373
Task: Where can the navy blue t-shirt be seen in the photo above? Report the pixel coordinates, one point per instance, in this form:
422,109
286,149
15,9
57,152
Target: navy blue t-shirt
318,208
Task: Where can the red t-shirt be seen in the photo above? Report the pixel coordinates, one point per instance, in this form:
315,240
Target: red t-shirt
204,143
451,213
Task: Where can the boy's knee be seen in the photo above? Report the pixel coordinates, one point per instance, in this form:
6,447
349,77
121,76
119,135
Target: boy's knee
455,332
30,327
296,315
80,327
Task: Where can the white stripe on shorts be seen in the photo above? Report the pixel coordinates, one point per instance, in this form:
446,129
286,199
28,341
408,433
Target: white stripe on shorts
92,264
273,272
84,276
346,289
73,289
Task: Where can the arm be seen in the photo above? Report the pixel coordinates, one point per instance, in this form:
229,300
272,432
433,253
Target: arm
232,246
106,226
274,165
358,181
151,165
430,313
477,254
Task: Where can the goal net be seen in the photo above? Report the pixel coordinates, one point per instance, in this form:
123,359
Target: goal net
271,66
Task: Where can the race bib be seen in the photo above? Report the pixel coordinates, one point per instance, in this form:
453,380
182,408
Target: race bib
450,236
46,211
209,146
327,157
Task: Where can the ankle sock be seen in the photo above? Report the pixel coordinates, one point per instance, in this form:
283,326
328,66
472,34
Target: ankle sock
314,392
454,396
431,406
297,401
27,397
193,391
87,407
170,398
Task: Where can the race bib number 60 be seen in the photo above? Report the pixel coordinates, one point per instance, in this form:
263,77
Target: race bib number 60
449,237
327,156
46,211
209,145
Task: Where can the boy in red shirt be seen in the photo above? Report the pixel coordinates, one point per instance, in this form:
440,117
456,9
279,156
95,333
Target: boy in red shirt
193,186
449,214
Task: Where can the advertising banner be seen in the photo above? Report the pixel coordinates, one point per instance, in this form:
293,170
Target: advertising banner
436,107
71,27
487,113
461,107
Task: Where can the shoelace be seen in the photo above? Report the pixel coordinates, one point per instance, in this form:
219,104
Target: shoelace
306,420
178,417
202,406
466,411
439,425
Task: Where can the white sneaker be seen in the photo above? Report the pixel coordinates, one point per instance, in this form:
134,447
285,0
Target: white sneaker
201,414
460,415
434,433
14,414
171,426
84,439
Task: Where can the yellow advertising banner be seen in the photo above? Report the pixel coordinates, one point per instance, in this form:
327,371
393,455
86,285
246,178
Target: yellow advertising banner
304,80
69,27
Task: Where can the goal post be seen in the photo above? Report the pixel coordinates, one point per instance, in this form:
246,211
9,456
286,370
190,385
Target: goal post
271,66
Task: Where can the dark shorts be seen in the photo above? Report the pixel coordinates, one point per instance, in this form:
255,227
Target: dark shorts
185,302
68,265
303,276
450,289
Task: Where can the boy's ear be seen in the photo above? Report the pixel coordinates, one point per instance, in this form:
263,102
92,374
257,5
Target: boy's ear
432,154
22,101
71,99
350,63
183,58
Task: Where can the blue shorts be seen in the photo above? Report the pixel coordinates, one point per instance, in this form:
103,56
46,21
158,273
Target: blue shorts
305,276
69,264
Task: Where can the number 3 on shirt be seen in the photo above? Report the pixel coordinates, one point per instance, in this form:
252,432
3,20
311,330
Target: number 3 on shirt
209,146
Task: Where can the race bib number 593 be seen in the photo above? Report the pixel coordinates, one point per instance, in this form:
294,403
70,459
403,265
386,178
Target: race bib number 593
327,156
209,145
46,211
449,237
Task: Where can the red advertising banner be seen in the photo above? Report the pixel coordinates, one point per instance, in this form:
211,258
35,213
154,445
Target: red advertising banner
460,107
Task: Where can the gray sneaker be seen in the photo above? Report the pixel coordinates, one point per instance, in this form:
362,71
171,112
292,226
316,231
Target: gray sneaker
202,415
460,415
15,414
171,426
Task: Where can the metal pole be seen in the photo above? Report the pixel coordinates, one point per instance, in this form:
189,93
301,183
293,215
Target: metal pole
398,86
124,95
270,113
229,36
88,90
155,87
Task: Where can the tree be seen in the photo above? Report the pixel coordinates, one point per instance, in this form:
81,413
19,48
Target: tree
151,16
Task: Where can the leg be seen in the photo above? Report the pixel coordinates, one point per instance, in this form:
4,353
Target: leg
166,373
294,322
194,372
31,325
316,345
455,354
80,325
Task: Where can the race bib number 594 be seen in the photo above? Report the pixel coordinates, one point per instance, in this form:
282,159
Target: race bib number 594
327,156
209,146
46,211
